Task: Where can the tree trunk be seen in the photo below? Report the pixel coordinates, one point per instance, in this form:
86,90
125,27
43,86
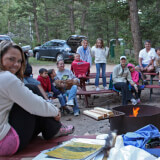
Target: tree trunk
116,26
72,16
46,19
35,20
83,21
135,28
116,31
84,13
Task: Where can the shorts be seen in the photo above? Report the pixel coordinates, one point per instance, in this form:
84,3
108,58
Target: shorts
143,65
31,80
10,143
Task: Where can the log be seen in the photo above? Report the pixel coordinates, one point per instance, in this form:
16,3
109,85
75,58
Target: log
101,113
93,115
108,112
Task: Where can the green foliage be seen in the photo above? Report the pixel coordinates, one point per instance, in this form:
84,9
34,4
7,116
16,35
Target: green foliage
108,19
33,61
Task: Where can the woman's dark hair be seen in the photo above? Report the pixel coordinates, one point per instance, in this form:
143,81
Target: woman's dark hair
99,39
4,47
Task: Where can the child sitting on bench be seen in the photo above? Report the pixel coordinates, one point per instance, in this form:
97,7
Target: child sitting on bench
80,68
45,81
135,77
57,93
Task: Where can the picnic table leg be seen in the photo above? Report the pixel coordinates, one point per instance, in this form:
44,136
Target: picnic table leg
86,100
151,82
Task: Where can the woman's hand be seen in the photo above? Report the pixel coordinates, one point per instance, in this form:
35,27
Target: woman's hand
58,117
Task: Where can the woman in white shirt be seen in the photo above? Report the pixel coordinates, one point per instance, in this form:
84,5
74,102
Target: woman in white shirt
100,53
23,114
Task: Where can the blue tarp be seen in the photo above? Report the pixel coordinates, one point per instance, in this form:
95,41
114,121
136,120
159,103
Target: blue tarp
140,137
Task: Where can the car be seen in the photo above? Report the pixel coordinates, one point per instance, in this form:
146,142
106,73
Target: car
54,49
5,37
27,50
59,49
74,41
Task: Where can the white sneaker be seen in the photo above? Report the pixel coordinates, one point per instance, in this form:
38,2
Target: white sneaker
134,102
76,114
70,103
97,89
105,88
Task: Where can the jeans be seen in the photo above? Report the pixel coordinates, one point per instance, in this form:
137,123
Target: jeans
126,94
98,66
72,96
62,99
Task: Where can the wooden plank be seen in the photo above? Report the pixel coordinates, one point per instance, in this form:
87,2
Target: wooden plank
108,112
93,115
81,92
152,86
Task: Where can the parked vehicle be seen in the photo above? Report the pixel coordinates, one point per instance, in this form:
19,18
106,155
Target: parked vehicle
27,50
5,37
54,49
74,41
59,49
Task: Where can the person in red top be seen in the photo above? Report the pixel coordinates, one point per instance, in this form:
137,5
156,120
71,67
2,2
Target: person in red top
45,81
80,68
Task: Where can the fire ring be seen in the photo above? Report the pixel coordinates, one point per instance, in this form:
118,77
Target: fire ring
127,121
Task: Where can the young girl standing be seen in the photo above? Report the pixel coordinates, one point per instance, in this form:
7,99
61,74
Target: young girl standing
100,53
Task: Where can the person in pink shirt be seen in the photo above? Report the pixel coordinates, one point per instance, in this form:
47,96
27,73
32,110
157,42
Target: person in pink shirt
135,77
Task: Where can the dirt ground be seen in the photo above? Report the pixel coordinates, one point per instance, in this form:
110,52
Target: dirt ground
85,125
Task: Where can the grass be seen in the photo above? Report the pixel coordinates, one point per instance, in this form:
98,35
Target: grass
35,62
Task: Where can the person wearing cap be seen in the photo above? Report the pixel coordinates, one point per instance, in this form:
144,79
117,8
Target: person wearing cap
146,59
120,76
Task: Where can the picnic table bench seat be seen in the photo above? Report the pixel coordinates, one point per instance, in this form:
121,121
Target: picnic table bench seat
39,144
89,92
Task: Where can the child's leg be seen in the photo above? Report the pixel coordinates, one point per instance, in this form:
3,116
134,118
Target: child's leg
104,74
97,74
139,92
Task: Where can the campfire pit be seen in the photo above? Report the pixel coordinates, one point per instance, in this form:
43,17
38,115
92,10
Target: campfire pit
129,121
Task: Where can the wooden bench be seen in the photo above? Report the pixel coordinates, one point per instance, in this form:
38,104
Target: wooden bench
39,144
90,92
83,90
151,87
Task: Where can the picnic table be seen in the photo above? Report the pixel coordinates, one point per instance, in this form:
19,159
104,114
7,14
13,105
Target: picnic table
151,85
83,89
